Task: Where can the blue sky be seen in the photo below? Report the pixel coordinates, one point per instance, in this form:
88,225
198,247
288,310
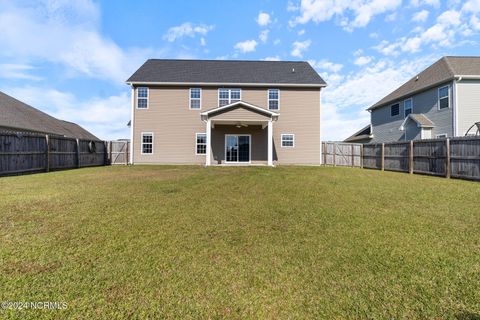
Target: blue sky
71,58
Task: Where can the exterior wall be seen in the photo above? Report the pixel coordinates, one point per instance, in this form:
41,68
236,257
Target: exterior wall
412,131
174,125
468,105
386,128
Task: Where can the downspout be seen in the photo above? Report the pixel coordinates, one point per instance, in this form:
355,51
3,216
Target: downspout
132,126
455,105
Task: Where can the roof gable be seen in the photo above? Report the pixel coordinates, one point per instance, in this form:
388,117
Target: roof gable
165,71
420,119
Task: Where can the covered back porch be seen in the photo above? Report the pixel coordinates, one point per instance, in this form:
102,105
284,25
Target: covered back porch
239,134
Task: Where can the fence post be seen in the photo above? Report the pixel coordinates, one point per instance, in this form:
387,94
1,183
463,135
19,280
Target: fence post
383,157
334,154
110,151
78,153
127,160
47,153
353,156
448,169
361,156
410,158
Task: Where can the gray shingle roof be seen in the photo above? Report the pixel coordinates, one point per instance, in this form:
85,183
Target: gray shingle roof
15,114
226,71
422,120
441,71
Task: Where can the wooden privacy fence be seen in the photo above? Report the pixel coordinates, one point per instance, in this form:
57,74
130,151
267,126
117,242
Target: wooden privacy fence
457,157
29,153
118,152
342,154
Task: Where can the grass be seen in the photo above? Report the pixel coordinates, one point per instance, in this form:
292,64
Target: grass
240,242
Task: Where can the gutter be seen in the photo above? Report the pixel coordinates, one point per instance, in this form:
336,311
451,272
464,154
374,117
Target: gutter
225,85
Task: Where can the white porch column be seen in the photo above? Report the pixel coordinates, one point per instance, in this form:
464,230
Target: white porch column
270,143
209,139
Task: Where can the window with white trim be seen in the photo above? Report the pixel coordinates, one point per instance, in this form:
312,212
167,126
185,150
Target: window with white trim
444,97
201,143
142,98
288,140
395,110
228,96
407,106
147,143
273,99
195,98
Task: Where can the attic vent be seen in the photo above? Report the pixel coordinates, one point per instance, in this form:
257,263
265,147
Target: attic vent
293,70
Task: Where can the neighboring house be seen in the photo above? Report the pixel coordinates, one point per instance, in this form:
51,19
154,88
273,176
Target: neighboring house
16,116
363,135
441,101
225,112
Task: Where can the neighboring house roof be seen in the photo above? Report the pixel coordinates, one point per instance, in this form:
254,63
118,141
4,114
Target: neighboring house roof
362,134
19,116
421,120
219,72
444,70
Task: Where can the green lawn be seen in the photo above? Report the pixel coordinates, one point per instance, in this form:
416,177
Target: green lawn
251,242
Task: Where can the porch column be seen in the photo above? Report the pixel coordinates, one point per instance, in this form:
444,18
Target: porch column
209,139
270,143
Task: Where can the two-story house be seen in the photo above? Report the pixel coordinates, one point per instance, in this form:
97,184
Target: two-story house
215,112
441,101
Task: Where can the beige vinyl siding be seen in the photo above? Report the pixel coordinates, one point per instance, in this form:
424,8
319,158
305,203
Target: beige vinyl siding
174,125
468,105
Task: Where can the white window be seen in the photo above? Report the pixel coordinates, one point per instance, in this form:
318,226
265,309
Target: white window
407,106
444,97
395,110
288,140
273,99
228,96
147,143
195,98
441,135
201,143
142,98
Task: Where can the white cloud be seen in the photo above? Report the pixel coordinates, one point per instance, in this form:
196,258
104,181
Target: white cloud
326,65
274,58
301,32
263,19
344,102
186,29
471,6
246,46
203,42
264,35
291,7
418,3
299,47
277,42
420,16
105,117
352,14
17,71
363,60
65,33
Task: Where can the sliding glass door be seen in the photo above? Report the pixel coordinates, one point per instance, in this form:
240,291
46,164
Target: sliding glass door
237,148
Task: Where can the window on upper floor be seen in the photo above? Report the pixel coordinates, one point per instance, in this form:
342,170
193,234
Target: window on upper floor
142,98
195,98
444,97
395,110
228,96
408,107
273,99
147,143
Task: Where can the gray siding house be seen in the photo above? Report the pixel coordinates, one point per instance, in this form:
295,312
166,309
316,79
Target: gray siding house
441,101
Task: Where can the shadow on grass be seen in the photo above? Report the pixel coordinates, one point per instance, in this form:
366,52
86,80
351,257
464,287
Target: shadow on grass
467,315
